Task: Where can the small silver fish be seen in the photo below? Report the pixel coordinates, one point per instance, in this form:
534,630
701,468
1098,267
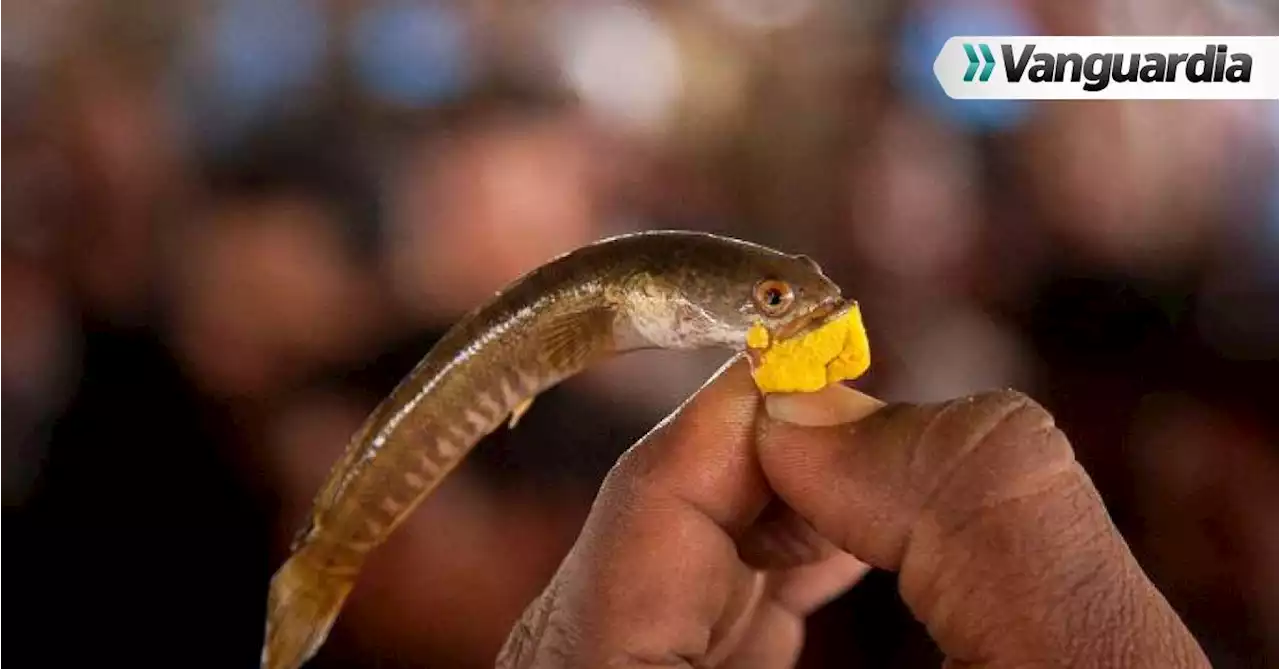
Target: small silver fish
662,289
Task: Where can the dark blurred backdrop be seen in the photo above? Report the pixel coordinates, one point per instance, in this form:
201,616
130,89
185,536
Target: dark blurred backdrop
230,226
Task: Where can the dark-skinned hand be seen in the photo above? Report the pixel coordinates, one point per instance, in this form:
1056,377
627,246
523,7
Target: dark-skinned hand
716,534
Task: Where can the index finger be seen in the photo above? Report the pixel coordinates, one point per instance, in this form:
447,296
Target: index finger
623,595
656,576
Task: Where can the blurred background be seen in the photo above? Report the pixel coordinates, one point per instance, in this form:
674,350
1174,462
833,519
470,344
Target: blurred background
231,226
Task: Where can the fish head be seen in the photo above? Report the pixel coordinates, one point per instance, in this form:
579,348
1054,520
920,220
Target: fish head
784,294
738,289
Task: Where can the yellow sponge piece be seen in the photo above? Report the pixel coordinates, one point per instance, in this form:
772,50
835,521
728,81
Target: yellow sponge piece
837,351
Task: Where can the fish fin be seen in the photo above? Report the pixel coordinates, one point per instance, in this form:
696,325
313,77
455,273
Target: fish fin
570,339
302,605
519,411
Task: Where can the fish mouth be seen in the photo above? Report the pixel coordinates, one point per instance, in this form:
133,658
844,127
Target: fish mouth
830,309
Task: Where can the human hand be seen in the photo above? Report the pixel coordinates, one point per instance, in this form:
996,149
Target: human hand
718,532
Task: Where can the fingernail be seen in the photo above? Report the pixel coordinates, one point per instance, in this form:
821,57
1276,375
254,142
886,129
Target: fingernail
834,405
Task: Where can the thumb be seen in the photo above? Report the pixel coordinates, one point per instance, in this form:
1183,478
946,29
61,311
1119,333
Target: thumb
1003,547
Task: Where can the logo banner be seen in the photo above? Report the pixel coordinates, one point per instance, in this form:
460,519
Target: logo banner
1110,68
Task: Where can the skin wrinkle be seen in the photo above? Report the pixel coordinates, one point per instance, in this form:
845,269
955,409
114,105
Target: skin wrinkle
563,636
986,435
528,628
1077,586
637,659
1038,555
954,536
1050,485
548,633
1132,646
1041,482
1098,607
1102,605
738,617
1128,646
941,593
931,605
782,539
1103,608
931,595
1098,604
940,413
564,629
1109,611
914,465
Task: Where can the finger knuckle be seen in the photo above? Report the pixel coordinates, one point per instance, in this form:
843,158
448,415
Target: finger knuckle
633,478
993,448
1012,409
540,637
517,651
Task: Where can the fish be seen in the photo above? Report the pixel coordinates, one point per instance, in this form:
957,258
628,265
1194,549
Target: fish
660,289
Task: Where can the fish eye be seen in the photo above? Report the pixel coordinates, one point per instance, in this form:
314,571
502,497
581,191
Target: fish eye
773,297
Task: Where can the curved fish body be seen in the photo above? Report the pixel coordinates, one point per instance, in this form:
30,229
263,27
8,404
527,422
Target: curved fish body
663,289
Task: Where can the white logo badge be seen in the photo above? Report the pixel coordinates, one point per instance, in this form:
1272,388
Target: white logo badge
1110,68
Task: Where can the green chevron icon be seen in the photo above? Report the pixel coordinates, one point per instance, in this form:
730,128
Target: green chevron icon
987,57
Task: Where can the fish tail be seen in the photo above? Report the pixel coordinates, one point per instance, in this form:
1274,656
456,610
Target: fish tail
303,602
